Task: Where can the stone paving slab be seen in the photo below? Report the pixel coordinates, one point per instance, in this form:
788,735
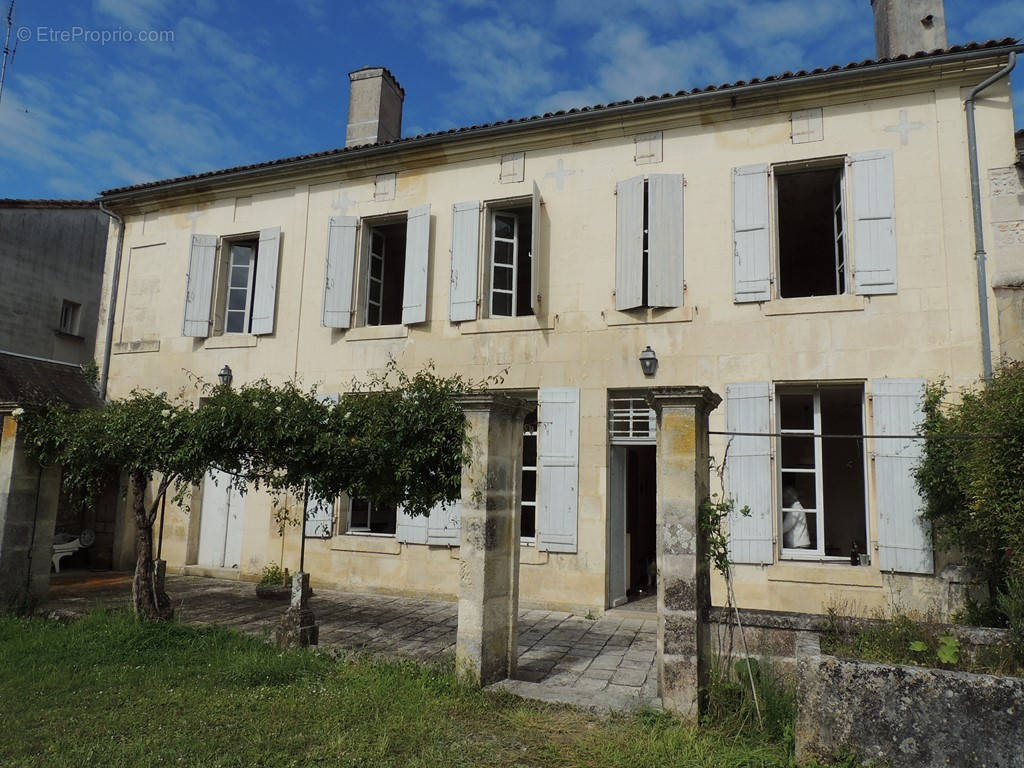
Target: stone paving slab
601,664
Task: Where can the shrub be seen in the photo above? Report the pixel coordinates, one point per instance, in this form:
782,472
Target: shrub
271,575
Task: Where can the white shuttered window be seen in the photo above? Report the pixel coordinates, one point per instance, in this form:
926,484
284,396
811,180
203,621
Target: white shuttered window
558,425
748,472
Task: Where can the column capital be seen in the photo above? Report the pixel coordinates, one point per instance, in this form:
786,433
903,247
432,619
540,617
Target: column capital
699,398
492,402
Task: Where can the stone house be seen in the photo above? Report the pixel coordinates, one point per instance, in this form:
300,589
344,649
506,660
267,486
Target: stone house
801,243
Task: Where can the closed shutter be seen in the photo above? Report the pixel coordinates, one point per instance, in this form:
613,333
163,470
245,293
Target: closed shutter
752,266
874,230
748,472
264,296
319,518
444,524
558,446
535,254
341,262
411,530
465,242
629,243
199,286
904,537
665,239
417,256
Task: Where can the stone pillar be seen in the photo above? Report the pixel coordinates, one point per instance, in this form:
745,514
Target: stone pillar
684,586
487,643
28,512
297,627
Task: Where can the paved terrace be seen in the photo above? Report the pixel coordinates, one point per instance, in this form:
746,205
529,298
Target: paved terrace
607,663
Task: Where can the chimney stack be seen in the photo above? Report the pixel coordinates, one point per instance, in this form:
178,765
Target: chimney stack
908,26
374,107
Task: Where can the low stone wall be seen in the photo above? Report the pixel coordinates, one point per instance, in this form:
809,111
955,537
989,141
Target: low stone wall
906,717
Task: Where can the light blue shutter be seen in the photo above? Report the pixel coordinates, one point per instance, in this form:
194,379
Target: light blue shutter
904,538
417,257
752,265
341,261
411,530
319,518
444,524
665,239
629,243
874,231
264,296
465,242
199,286
535,255
748,472
558,448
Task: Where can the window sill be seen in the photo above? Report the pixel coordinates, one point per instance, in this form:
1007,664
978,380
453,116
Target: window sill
821,571
68,335
371,332
815,304
381,544
648,315
505,325
133,347
230,341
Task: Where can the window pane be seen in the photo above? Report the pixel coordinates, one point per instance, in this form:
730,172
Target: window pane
799,529
529,485
798,453
528,526
529,450
239,277
383,519
377,242
241,255
797,411
373,315
375,287
502,305
798,488
235,322
502,279
359,514
236,299
504,226
376,268
503,253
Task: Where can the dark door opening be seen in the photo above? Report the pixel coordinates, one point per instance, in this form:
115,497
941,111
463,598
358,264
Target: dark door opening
641,521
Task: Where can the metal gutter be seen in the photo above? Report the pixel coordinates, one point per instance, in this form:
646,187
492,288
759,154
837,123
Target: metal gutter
115,281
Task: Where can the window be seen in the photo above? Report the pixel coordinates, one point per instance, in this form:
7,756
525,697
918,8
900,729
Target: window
528,496
631,420
649,241
241,270
511,262
365,516
821,479
69,317
811,232
385,273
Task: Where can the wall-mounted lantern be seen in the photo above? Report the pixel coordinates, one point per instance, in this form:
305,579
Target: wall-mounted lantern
648,361
225,376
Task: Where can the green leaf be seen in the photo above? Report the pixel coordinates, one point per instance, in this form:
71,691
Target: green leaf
918,645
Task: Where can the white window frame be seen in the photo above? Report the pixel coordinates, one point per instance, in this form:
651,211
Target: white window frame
373,257
837,163
527,432
508,206
514,267
250,283
365,530
632,409
70,315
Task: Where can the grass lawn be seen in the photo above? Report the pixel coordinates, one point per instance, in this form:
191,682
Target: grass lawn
105,691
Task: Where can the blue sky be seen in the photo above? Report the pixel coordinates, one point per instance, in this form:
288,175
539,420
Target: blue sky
244,82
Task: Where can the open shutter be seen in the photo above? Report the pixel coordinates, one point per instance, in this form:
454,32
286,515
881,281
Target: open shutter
341,262
417,254
874,231
904,538
411,530
558,446
199,286
752,264
264,295
748,472
465,242
629,243
444,524
319,518
665,239
535,254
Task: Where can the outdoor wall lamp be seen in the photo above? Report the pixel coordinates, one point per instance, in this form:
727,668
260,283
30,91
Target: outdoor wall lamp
225,376
648,361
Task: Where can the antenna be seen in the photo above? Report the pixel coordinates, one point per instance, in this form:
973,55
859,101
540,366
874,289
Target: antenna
9,51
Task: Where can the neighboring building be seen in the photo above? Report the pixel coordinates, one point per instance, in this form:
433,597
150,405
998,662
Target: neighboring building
801,244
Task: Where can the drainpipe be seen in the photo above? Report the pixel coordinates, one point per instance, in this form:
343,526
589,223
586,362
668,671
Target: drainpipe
979,234
105,370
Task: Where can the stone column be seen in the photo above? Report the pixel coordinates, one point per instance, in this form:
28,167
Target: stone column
297,628
684,586
487,643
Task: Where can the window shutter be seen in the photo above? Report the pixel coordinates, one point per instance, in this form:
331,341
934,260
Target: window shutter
904,538
665,239
465,242
535,254
341,261
444,524
411,530
874,231
748,472
417,256
199,286
264,295
319,518
752,264
558,441
629,243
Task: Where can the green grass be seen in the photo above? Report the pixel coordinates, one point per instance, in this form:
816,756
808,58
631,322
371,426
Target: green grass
107,691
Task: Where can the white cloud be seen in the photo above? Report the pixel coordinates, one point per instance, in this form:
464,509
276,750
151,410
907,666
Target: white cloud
137,14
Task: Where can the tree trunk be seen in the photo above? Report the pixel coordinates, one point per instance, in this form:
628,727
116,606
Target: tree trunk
148,605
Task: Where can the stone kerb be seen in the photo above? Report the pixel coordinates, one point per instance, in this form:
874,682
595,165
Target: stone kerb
486,641
684,587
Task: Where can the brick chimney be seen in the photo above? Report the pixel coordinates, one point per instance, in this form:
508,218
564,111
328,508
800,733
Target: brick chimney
908,26
374,107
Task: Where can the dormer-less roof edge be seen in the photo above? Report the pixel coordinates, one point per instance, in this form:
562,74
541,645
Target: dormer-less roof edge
802,77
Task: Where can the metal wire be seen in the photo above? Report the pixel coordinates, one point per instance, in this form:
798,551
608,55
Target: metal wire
955,436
